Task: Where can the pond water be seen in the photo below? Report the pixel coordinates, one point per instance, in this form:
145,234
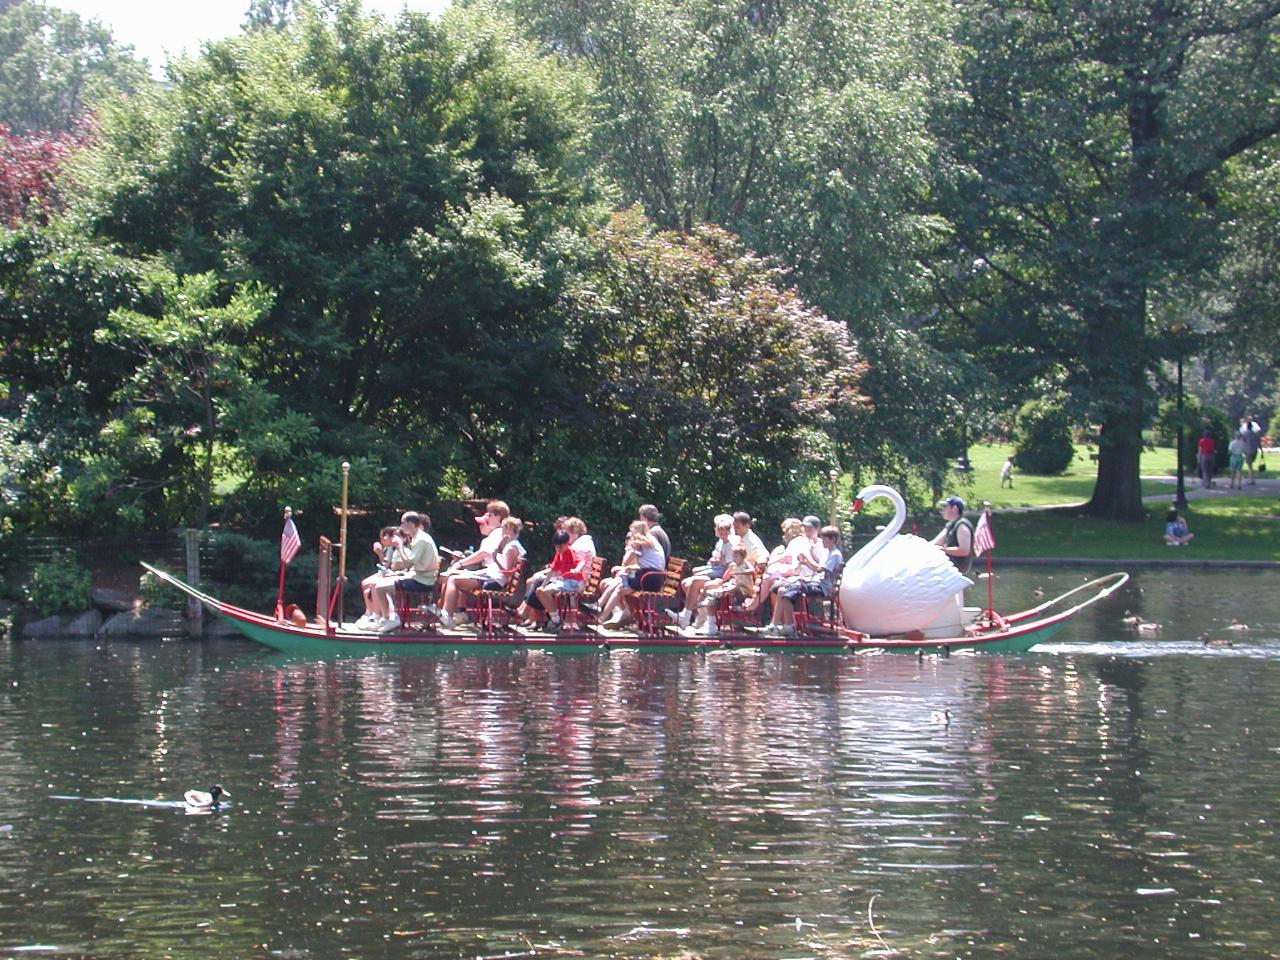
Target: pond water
1099,797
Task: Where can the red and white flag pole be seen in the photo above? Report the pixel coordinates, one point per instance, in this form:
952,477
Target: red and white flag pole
290,544
984,541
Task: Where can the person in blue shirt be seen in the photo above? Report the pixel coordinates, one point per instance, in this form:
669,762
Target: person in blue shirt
1176,533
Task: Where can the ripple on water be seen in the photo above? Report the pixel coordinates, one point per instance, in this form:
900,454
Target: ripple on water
1102,794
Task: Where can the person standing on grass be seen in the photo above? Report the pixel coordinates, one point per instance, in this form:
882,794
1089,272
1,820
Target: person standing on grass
1006,473
1206,455
1235,462
1251,434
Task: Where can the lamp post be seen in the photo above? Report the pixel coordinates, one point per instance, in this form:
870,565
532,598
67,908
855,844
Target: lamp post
1180,497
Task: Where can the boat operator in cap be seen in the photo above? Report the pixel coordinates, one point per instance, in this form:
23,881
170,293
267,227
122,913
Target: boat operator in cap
956,538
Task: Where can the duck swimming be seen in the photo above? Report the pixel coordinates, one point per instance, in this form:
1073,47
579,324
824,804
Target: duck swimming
199,800
1209,641
1237,625
1149,627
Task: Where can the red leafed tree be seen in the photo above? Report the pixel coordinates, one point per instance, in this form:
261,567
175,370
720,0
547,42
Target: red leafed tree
29,164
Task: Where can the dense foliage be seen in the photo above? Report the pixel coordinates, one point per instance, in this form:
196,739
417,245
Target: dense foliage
29,166
1042,437
54,67
1091,149
343,239
706,383
852,237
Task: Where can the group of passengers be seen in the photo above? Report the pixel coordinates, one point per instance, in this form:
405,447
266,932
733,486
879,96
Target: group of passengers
739,567
409,561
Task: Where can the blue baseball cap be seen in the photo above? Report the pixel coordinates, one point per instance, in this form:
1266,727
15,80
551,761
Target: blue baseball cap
953,502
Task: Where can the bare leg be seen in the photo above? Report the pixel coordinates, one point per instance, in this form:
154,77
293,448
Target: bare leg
783,611
693,587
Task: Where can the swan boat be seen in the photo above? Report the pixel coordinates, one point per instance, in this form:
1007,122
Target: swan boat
981,630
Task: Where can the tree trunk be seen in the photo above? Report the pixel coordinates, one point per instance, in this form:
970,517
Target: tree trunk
206,472
1117,493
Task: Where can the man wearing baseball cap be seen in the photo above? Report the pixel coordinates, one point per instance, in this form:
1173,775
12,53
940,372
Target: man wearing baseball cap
956,538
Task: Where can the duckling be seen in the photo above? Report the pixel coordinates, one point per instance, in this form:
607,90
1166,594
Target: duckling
1149,627
199,800
1237,625
1037,592
1131,620
1209,641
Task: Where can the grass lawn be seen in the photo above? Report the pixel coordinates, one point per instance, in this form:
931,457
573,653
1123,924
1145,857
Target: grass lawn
1075,485
1229,528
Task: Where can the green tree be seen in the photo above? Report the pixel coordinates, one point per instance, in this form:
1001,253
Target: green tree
1091,149
190,361
802,127
54,66
1042,437
705,382
412,193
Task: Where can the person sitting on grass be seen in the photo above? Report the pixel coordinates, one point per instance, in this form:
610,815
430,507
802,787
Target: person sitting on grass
1176,533
819,581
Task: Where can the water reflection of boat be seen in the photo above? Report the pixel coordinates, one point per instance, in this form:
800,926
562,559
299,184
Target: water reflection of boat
986,631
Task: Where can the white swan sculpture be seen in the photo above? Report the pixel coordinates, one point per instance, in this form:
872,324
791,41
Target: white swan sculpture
899,584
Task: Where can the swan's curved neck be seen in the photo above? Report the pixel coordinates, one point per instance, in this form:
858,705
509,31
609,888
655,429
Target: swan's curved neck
865,555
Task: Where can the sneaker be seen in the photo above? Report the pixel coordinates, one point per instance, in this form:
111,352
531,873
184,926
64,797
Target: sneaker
553,623
432,609
365,620
708,629
686,617
674,615
390,623
367,626
446,620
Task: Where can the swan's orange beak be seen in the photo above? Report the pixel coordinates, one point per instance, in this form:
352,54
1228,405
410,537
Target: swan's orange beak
857,505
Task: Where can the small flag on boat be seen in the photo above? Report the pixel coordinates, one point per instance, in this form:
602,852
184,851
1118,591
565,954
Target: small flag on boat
290,542
984,540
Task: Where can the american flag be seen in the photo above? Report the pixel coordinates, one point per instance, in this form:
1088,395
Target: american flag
290,542
983,539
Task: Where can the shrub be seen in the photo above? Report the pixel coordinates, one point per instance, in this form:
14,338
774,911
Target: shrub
59,585
245,571
1042,437
157,593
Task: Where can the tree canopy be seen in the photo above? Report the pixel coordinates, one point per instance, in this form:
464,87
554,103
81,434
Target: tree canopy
1090,155
54,67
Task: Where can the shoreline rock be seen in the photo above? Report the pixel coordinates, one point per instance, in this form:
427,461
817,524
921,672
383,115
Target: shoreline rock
113,601
146,622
